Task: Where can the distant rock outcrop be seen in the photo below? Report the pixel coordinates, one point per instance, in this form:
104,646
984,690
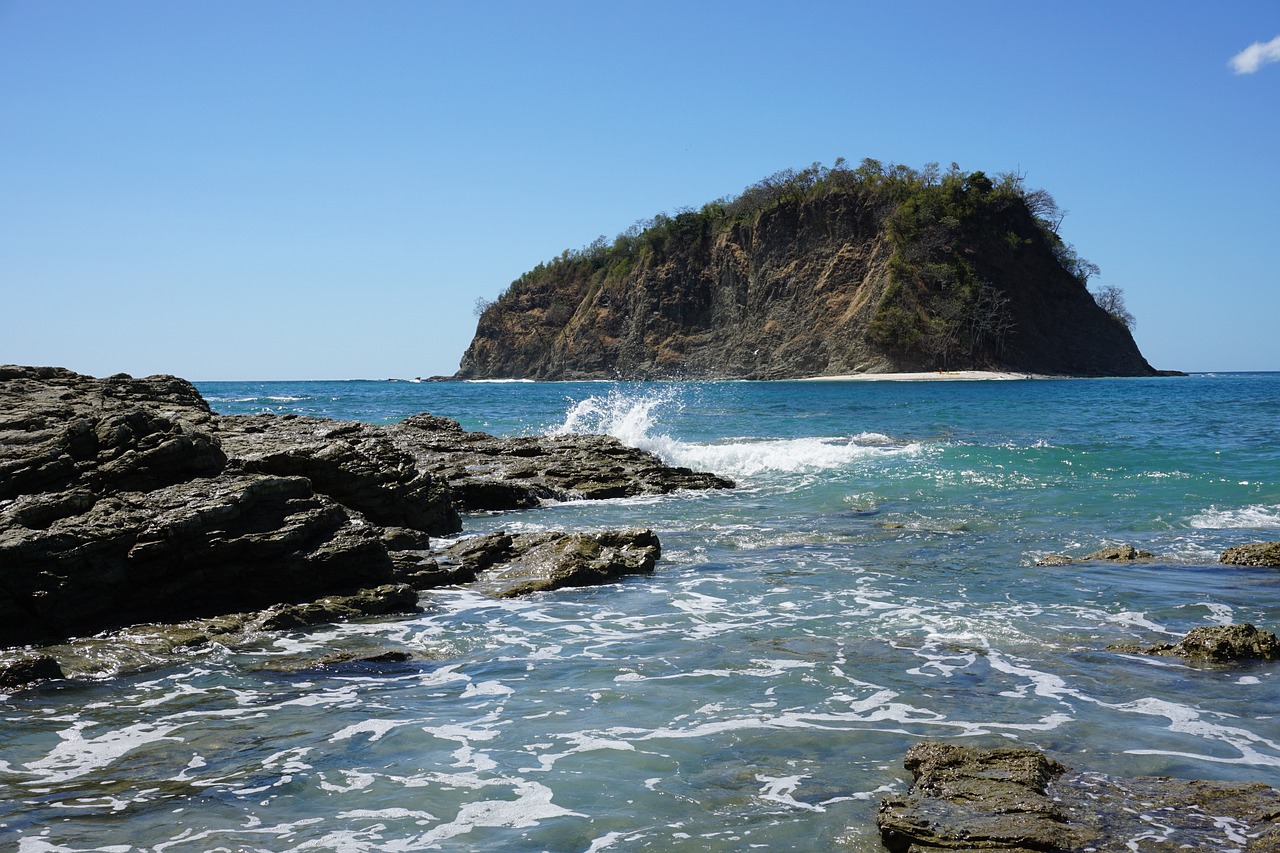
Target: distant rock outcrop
1257,554
822,272
128,500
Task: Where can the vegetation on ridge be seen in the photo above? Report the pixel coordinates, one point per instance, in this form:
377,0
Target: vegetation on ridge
937,307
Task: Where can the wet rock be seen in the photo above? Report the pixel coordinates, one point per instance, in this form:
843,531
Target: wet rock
1215,644
199,548
488,473
1021,800
506,566
28,670
356,662
356,465
127,501
968,798
1113,554
1261,554
379,601
1119,554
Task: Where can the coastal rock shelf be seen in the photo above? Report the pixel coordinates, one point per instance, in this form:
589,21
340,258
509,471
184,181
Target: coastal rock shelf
1022,800
128,500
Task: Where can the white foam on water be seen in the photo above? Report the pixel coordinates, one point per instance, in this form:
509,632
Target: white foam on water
634,419
1255,517
1185,719
531,806
581,742
375,728
779,789
77,755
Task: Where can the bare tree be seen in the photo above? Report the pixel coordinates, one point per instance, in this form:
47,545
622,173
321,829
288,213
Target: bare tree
1111,299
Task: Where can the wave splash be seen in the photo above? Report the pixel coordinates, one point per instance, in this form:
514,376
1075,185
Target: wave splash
636,419
1256,516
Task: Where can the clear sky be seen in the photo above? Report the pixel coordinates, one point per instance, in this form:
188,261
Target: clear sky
301,189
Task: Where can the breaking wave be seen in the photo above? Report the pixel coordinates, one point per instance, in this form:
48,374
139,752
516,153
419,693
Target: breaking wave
1249,517
636,419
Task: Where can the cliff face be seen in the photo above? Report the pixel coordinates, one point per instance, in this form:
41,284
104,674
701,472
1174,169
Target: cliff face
853,279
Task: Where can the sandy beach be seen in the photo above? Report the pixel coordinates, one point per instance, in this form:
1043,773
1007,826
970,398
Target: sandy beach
931,376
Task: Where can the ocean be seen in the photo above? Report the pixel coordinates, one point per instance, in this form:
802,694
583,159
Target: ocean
872,582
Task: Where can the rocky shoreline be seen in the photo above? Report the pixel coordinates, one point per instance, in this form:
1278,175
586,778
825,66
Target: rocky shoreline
128,509
1018,799
127,501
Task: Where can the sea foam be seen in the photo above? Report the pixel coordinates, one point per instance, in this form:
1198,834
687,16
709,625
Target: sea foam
635,419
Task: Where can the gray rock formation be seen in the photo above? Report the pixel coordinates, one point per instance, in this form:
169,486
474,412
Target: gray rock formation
966,799
505,566
487,473
127,500
1261,554
1215,644
1110,554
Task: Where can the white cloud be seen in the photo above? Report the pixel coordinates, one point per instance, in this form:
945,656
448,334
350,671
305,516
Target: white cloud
1256,55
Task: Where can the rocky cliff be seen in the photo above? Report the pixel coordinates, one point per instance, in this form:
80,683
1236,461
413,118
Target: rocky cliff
822,272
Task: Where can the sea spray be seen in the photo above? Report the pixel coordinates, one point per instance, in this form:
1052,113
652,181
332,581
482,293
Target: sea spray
635,418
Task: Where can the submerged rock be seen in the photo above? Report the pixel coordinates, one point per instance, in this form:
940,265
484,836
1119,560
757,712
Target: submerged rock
506,566
1021,800
1112,553
1215,644
1260,554
1119,554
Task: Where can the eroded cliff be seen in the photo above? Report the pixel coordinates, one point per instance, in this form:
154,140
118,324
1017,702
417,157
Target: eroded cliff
822,272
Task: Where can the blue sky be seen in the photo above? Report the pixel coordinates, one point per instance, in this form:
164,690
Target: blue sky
297,190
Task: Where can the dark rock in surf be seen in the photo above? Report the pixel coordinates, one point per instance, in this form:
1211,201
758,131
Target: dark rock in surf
1110,554
1215,644
127,501
28,670
966,799
506,566
379,601
1119,554
1260,554
488,473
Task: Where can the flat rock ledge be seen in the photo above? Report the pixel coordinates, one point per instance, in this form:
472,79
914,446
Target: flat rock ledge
1215,644
1019,799
126,501
506,566
1259,554
1110,554
140,646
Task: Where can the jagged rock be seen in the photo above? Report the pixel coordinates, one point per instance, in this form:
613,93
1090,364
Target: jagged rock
1261,554
1119,554
357,465
379,601
1113,554
358,662
126,501
966,799
1215,644
506,566
28,670
488,473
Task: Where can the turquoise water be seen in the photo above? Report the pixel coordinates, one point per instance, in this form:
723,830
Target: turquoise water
871,582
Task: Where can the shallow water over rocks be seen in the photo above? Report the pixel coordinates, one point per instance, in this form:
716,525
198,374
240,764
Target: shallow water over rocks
870,583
